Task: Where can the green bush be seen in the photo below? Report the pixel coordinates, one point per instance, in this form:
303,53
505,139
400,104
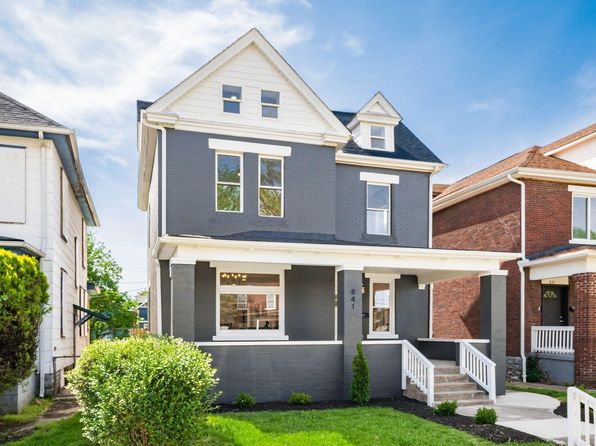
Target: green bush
485,415
534,373
361,378
143,391
23,302
446,408
300,398
244,399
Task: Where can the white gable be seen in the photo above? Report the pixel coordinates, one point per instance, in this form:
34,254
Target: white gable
252,71
583,153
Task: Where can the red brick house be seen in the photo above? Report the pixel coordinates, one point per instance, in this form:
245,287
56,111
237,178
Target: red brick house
541,203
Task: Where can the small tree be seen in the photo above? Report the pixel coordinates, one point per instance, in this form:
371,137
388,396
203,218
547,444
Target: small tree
361,378
23,302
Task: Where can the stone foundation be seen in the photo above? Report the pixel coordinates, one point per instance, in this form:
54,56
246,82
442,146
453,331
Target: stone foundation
514,368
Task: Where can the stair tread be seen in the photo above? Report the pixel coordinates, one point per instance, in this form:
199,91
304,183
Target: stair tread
444,392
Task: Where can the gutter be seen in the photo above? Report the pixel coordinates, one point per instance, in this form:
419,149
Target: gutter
522,275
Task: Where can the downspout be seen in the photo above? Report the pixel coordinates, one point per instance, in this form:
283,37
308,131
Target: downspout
522,276
430,245
43,246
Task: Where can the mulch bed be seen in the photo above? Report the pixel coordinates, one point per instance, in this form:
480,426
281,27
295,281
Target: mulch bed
491,432
561,410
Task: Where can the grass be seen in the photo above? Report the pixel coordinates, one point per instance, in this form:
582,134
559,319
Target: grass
558,394
37,407
354,426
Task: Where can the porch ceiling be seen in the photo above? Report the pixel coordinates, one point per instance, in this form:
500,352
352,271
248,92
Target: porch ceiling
563,264
430,265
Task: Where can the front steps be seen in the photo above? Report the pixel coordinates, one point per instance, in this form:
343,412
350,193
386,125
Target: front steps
450,385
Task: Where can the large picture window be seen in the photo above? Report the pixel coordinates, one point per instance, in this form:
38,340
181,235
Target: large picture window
229,183
378,208
584,217
271,187
249,305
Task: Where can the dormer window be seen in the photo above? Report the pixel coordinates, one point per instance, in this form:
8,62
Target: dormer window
232,96
269,103
377,137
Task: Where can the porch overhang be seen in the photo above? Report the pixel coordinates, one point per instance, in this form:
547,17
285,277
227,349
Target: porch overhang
562,264
429,265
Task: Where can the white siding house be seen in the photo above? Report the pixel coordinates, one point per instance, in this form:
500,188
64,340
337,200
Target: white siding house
45,209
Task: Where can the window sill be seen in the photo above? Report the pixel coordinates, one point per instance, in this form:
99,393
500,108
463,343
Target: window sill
380,336
240,338
579,241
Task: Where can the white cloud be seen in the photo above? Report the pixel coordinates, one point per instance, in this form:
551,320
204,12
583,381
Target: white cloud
492,104
354,44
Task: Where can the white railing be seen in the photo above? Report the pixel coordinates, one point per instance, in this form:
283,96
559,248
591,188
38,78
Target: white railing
478,367
552,339
419,369
581,418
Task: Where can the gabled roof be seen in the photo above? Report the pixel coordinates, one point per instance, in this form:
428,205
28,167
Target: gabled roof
531,157
559,143
407,145
439,188
384,104
253,37
13,112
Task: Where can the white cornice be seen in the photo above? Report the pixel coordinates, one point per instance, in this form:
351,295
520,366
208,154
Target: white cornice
570,145
552,175
561,265
342,157
24,245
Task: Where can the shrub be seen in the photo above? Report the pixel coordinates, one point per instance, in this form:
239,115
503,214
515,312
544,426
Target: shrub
244,399
23,302
143,391
533,371
361,378
485,415
300,398
446,408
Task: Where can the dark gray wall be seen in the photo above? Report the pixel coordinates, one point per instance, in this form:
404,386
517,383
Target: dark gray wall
205,280
166,300
493,323
384,363
182,284
412,309
309,301
309,189
409,207
271,373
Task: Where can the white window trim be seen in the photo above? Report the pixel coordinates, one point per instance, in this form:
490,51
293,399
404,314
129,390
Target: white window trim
239,101
259,186
239,155
266,104
234,146
383,138
382,278
388,186
374,177
236,335
588,193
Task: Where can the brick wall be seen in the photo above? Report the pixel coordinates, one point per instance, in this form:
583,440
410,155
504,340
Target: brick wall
584,293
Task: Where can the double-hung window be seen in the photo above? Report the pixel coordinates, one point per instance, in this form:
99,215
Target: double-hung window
377,137
584,217
378,209
269,104
232,97
271,186
249,304
228,182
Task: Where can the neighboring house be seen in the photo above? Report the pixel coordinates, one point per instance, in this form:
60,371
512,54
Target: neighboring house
45,208
281,234
554,229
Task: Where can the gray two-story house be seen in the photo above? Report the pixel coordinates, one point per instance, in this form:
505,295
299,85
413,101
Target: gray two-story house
282,233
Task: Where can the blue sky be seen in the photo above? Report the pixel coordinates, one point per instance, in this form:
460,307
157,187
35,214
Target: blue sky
475,80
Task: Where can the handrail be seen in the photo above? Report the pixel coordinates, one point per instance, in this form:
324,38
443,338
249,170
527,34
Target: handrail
581,418
553,339
479,367
419,369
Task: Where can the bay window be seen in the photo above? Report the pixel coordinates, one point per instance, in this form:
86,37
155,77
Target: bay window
228,183
270,187
378,208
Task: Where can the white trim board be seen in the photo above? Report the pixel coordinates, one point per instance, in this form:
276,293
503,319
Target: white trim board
374,177
264,343
342,157
230,145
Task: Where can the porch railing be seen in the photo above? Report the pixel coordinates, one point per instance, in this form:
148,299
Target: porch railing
553,339
581,418
419,369
479,367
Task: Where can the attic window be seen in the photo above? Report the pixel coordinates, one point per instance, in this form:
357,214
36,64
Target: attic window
269,103
232,96
377,137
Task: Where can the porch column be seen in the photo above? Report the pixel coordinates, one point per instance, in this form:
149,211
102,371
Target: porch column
349,320
493,323
584,287
182,282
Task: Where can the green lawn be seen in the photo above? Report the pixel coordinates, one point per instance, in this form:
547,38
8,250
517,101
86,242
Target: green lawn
354,426
37,407
558,394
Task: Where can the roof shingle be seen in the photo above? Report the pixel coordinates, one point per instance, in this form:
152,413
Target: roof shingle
13,112
569,138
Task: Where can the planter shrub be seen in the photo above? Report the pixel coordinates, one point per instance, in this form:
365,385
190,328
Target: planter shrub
244,399
361,378
445,408
485,415
143,391
534,372
23,302
300,398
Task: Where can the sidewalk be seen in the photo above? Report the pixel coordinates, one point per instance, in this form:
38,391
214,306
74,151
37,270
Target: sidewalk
527,412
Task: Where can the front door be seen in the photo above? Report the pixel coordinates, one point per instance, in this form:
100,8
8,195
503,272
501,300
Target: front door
554,305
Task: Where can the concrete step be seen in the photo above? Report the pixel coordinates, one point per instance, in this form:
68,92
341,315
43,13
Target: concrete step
447,370
451,378
460,395
476,402
455,386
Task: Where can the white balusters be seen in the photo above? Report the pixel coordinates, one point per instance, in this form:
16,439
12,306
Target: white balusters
478,367
554,339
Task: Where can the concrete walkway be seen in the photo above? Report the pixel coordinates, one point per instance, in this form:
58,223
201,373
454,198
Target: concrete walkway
527,412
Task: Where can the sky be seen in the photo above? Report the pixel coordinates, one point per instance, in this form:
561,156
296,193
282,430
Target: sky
475,80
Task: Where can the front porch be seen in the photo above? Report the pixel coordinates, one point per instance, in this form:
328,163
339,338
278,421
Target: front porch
283,317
